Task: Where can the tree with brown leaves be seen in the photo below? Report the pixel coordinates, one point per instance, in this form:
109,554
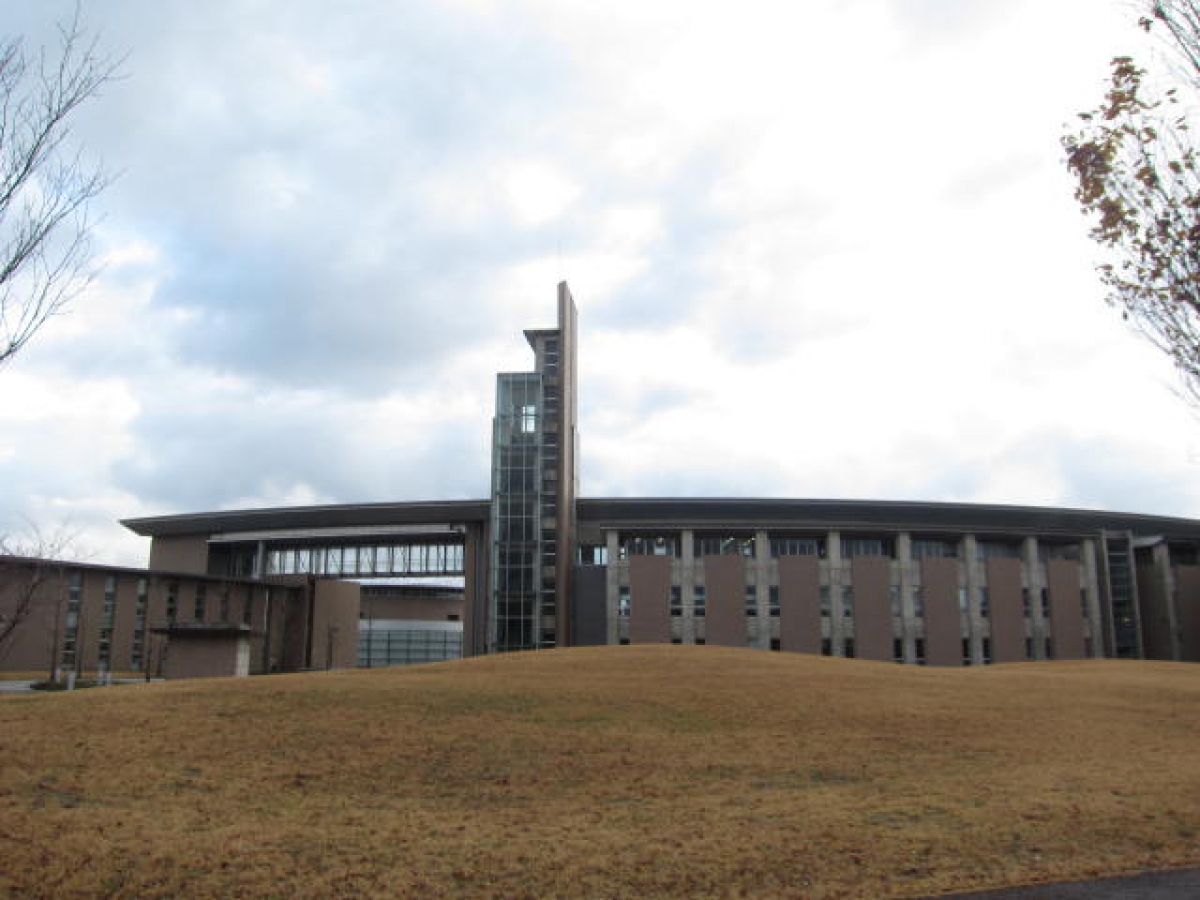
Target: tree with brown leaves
1135,164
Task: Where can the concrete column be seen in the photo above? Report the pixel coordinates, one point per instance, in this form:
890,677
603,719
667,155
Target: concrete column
762,588
616,568
1034,580
974,573
837,618
1091,585
910,624
687,584
1161,557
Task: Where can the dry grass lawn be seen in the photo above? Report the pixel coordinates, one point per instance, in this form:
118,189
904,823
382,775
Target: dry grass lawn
614,772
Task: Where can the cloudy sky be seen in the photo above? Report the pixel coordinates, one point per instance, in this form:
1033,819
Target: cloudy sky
820,249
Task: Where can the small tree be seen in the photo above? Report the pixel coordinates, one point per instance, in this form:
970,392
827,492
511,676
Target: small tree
1136,172
45,185
32,577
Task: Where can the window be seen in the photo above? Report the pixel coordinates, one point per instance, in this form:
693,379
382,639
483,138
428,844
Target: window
926,548
723,545
826,647
224,603
1025,602
698,601
825,602
774,643
74,615
848,648
107,615
751,600
201,602
248,607
848,601
593,555
897,650
1083,604
894,600
773,601
528,419
172,601
649,545
797,546
137,654
676,600
987,650
985,603
868,546
919,602
920,648
962,599
1045,604
986,550
623,602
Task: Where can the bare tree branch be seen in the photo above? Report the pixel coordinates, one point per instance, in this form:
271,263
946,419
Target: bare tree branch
30,569
45,185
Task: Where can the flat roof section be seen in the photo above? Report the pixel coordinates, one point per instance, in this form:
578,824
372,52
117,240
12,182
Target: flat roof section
345,515
852,515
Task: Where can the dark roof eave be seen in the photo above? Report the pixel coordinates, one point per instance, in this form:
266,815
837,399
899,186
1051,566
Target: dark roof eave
873,514
337,515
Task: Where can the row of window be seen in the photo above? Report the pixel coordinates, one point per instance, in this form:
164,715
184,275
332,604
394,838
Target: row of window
744,545
699,601
382,559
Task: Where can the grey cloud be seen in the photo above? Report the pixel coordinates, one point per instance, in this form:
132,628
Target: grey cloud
233,447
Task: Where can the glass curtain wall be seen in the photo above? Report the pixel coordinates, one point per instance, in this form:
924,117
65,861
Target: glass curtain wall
516,434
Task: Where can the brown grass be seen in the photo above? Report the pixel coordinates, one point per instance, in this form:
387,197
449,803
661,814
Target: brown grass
614,772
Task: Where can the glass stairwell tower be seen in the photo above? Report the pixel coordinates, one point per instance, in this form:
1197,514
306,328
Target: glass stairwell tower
533,492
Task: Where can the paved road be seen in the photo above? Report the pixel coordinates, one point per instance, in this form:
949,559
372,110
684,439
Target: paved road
1181,884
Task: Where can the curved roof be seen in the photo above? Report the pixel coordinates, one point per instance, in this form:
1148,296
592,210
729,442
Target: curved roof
906,515
687,512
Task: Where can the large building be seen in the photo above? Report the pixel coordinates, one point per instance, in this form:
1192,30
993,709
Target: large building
534,566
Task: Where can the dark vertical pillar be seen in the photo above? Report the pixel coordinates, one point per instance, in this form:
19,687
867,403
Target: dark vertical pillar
943,620
649,600
476,562
1007,610
1187,610
589,611
1066,610
873,631
799,604
725,600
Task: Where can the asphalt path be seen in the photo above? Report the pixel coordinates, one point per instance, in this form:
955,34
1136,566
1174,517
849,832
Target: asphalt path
1178,884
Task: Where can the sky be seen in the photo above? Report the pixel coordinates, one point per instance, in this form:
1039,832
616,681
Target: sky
819,249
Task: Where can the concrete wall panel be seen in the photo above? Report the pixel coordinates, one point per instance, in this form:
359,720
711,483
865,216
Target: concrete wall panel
650,600
873,631
725,600
1187,605
1066,608
1007,610
799,604
1153,597
187,553
335,624
589,609
943,620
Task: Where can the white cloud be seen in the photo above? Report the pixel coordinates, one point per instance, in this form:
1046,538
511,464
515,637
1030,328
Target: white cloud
818,249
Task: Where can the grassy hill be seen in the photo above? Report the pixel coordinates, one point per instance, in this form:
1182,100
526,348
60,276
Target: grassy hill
609,772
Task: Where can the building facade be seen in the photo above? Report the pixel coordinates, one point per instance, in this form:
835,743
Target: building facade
536,566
